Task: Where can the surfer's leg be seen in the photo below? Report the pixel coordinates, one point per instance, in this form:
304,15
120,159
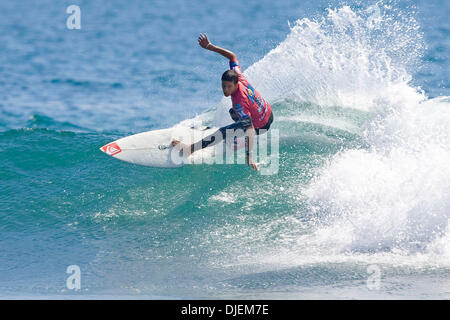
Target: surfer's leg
212,139
218,136
188,149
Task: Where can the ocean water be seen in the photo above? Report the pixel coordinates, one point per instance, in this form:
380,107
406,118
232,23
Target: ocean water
359,208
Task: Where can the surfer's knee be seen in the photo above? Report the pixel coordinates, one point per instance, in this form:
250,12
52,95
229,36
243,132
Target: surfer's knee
233,115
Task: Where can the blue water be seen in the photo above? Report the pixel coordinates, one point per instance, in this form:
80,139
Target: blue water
360,92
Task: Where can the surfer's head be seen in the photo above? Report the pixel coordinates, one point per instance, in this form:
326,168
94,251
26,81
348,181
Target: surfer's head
229,82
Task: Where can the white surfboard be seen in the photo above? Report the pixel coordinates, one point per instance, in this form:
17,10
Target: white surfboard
152,148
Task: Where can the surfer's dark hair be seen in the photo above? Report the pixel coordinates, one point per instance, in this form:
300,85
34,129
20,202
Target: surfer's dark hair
230,75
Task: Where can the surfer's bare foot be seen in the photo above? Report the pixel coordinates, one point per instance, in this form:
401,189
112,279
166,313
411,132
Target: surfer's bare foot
184,149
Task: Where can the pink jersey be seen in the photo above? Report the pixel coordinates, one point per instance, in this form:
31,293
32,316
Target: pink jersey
247,102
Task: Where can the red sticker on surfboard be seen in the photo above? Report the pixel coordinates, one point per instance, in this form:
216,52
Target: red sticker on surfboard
111,149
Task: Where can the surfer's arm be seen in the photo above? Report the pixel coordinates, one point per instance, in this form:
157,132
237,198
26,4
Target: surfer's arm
245,122
249,147
206,44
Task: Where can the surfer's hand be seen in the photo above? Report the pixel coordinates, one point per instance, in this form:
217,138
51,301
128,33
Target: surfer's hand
203,41
251,163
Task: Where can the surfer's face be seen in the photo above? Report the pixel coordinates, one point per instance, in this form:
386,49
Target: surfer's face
229,87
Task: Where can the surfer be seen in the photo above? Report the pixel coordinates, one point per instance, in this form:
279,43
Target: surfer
250,112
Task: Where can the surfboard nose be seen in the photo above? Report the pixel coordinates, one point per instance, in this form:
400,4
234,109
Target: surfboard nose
111,149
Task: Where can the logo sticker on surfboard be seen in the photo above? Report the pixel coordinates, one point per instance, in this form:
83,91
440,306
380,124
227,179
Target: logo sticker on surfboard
111,149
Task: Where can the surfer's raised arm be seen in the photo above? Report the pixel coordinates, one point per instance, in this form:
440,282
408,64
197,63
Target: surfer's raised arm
206,44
